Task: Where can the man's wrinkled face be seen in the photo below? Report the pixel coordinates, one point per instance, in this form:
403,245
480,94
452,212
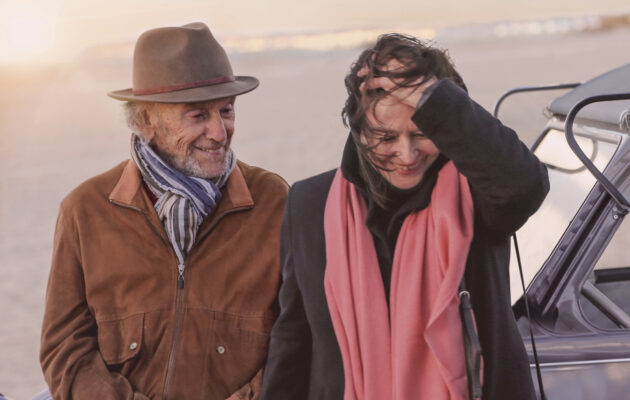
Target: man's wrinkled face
193,138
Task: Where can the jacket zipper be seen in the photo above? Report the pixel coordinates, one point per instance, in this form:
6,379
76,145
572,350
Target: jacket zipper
180,289
178,309
178,300
178,315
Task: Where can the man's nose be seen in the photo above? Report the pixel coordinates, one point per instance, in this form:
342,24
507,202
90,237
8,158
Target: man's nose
215,128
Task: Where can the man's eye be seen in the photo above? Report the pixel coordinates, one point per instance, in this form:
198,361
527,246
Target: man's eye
418,135
227,110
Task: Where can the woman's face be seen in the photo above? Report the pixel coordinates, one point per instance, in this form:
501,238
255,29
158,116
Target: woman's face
401,150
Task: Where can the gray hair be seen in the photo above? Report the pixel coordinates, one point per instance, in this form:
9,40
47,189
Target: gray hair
136,115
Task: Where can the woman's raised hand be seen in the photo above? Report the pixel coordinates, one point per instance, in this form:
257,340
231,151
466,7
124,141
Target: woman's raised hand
409,95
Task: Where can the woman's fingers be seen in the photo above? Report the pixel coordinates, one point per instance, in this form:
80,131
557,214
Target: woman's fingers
363,71
409,94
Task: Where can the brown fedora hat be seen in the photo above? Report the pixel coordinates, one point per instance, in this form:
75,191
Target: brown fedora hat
182,65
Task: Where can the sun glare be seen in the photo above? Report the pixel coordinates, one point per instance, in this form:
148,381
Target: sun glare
27,36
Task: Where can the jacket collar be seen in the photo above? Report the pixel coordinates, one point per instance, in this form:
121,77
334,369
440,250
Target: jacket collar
235,197
129,192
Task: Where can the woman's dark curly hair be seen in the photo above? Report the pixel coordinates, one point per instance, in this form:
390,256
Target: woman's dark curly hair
420,59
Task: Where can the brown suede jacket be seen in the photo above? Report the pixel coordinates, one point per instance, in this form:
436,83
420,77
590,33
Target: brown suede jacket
117,324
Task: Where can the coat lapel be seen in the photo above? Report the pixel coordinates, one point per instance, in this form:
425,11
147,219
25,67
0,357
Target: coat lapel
129,192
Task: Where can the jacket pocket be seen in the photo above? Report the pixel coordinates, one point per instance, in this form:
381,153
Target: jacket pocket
121,340
235,354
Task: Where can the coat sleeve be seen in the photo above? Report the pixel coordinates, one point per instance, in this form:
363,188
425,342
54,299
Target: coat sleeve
69,354
288,362
507,181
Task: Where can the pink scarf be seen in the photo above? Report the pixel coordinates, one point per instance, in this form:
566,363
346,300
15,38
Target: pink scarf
421,355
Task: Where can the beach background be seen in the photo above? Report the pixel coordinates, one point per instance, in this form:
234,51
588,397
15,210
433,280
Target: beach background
58,59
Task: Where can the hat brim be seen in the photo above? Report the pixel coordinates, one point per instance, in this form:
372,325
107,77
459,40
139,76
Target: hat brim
241,85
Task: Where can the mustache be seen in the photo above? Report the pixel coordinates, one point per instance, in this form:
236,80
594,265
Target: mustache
212,144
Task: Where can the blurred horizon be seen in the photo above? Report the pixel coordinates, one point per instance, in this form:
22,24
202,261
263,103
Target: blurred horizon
39,33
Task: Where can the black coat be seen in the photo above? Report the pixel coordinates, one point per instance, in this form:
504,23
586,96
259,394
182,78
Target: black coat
507,182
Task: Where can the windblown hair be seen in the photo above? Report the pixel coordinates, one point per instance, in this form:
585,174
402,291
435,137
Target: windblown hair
420,59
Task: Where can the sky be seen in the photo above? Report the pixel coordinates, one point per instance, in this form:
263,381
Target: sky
44,31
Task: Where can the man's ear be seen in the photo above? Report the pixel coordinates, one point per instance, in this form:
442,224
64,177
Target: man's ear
147,127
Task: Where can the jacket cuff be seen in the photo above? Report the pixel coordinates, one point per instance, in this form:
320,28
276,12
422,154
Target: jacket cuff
426,94
436,106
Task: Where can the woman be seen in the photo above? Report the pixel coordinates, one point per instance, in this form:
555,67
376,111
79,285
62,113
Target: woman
429,190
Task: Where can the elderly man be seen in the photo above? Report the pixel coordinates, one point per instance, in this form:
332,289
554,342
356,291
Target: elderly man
165,268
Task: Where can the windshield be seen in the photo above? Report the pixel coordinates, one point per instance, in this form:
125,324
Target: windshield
570,182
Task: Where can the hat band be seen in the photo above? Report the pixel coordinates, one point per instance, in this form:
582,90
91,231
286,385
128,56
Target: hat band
190,85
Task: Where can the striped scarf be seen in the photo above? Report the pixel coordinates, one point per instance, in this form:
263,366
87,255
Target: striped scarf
183,201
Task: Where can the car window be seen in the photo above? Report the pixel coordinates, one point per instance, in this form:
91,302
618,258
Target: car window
570,183
617,253
611,278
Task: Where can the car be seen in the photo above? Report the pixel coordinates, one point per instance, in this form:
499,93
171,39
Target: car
578,244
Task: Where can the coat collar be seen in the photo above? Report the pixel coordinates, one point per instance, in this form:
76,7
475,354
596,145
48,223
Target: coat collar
129,192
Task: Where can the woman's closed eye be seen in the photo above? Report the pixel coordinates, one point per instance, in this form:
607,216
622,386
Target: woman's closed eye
388,138
418,134
385,135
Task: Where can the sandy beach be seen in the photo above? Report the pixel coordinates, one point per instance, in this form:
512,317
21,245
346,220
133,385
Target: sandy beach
58,128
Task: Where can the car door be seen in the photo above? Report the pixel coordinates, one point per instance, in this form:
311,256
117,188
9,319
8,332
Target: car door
576,251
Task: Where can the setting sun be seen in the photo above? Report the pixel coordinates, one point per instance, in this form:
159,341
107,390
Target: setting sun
28,35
